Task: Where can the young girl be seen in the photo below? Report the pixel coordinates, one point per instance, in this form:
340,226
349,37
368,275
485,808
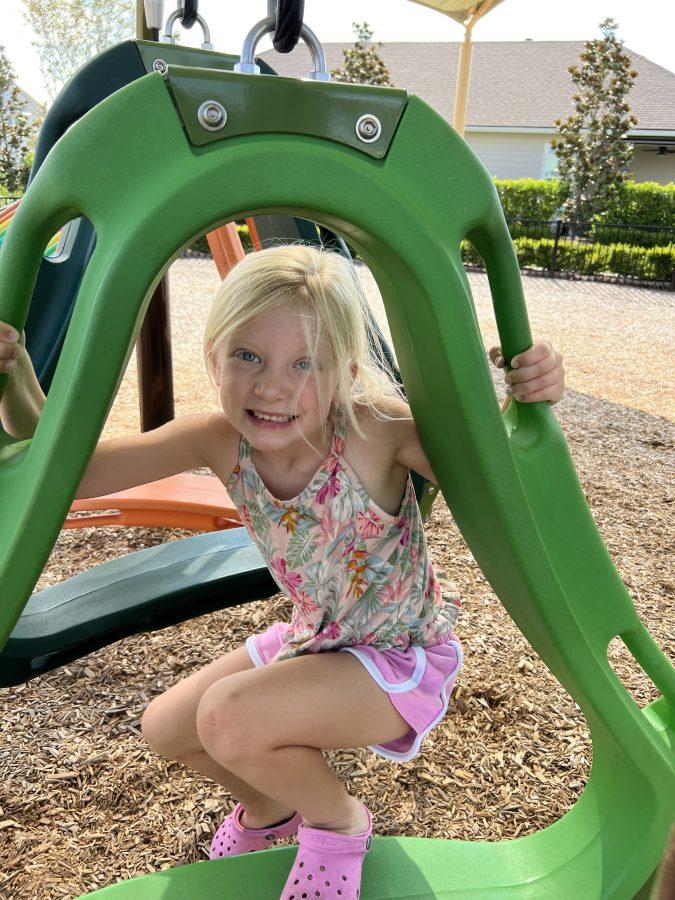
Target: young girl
314,444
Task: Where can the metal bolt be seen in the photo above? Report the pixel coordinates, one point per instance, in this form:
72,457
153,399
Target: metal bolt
160,66
212,115
368,128
431,489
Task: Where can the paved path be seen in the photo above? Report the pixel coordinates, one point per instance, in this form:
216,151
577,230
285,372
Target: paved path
616,340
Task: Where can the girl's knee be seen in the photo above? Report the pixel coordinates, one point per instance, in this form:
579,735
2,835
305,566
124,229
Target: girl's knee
224,721
164,732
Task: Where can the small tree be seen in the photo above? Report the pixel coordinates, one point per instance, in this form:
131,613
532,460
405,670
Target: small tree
15,130
70,32
592,149
362,63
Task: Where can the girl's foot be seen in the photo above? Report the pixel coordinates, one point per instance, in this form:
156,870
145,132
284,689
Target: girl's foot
328,863
234,838
355,821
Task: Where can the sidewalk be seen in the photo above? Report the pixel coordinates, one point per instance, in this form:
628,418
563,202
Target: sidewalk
616,340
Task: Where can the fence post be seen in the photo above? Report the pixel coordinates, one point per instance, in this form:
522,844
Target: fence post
554,251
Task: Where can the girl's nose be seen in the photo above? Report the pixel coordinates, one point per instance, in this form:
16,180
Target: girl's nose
269,386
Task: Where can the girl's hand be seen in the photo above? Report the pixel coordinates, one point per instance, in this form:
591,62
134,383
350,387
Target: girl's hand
11,347
536,374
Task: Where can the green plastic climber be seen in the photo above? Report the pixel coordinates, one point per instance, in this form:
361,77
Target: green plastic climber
175,141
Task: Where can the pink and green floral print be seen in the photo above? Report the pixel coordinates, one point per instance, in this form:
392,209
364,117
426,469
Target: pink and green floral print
355,573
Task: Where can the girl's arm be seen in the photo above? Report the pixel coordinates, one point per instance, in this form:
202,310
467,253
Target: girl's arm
135,459
186,443
536,374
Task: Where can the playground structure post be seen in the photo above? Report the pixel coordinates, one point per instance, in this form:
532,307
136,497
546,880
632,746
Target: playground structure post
153,349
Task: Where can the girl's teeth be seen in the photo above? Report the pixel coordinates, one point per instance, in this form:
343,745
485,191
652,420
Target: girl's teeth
272,418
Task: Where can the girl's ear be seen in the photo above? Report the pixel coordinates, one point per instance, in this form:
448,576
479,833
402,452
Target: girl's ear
214,366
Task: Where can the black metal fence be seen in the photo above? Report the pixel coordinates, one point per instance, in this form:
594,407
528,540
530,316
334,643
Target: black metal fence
630,254
5,201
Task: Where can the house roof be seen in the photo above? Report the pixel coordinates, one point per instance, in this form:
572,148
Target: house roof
516,84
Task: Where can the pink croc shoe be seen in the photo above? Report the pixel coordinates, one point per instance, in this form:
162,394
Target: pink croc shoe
328,864
233,838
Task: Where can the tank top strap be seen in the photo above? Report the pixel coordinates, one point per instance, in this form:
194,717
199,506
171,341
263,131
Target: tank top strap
339,415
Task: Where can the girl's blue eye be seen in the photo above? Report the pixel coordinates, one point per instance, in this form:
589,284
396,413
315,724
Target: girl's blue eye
305,363
247,356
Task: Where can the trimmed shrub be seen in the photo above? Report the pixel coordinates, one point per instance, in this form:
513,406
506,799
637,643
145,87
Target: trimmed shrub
644,203
644,263
529,198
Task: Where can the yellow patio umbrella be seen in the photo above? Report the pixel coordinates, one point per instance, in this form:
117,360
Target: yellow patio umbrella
467,13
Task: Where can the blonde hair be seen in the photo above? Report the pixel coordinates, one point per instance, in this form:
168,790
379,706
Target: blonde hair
326,289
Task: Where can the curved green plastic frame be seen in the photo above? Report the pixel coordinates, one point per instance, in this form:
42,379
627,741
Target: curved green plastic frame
128,166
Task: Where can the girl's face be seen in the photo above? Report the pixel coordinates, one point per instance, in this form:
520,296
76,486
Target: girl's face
270,386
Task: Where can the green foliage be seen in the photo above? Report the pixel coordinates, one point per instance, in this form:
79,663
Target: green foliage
645,263
646,203
529,198
591,146
69,32
16,132
362,63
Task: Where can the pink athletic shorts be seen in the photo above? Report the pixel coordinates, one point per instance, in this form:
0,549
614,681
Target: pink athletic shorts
418,680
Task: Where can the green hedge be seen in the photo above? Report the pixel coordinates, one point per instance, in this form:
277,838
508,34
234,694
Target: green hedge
644,203
529,198
645,263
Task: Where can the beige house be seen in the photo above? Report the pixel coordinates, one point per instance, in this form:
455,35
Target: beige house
517,90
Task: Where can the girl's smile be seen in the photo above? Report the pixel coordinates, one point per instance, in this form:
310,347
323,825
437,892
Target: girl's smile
270,420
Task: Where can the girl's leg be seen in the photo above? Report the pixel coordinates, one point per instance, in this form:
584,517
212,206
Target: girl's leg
269,726
169,726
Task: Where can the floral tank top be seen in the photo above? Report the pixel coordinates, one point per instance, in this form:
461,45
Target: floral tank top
354,573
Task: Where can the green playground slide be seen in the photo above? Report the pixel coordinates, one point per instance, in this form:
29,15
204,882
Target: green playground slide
405,202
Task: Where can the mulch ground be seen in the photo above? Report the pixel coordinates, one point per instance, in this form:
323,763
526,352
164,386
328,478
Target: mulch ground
84,802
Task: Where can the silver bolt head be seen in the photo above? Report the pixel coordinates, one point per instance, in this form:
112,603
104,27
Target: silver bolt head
160,66
368,128
212,115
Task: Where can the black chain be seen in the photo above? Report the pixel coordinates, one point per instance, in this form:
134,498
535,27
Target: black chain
190,10
289,24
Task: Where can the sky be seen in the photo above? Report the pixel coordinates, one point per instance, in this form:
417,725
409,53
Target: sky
646,28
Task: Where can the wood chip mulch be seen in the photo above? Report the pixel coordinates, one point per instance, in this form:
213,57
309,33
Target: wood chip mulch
84,802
